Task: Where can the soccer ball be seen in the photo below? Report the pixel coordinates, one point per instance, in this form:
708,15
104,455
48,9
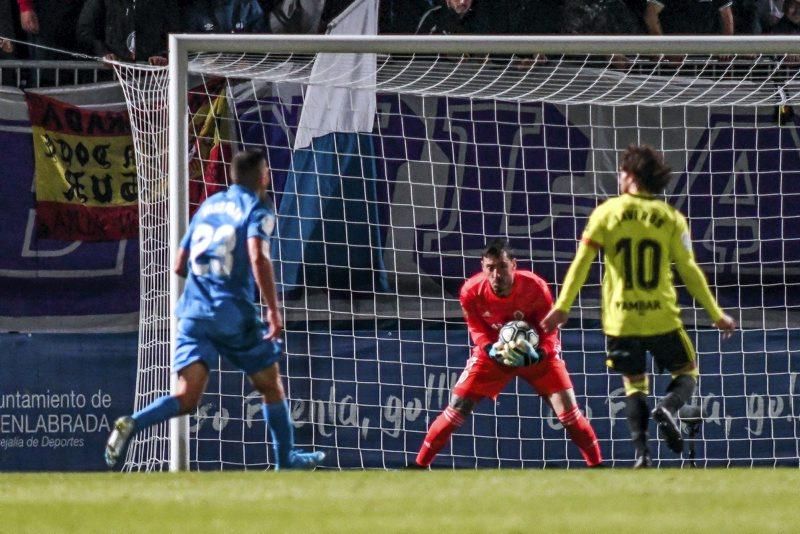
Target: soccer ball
516,330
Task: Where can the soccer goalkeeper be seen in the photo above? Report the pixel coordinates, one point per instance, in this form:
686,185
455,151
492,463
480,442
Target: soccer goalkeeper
498,294
641,237
224,251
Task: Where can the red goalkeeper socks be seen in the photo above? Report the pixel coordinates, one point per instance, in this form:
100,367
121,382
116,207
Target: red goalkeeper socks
438,435
582,434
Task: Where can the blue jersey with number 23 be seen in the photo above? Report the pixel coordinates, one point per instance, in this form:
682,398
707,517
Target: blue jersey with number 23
220,283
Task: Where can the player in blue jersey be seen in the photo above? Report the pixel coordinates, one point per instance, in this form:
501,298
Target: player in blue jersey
225,251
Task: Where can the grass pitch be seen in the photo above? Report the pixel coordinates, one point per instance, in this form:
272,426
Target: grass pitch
611,500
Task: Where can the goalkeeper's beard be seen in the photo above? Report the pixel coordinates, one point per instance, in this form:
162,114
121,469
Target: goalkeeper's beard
501,288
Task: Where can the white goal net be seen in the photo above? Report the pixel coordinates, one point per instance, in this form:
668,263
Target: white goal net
393,166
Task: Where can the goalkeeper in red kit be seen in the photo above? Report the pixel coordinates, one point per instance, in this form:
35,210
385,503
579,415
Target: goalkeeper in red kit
498,294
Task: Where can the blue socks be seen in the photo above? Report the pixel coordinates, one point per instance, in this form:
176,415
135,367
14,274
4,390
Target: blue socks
280,426
276,416
156,412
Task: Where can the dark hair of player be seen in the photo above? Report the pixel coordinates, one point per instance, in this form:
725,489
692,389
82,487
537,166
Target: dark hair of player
246,168
496,247
647,165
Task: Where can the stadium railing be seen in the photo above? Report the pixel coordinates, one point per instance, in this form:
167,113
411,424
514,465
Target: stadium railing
36,74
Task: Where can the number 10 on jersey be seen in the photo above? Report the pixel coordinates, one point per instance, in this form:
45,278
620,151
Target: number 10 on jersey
647,256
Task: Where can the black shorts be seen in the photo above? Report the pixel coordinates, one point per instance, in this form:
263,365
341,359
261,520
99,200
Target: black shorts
671,352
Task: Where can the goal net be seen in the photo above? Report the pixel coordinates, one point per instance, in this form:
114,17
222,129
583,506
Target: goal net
394,160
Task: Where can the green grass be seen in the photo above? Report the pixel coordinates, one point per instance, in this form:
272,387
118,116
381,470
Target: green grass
611,500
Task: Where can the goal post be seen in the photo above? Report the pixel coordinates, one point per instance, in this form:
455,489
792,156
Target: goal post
473,137
179,220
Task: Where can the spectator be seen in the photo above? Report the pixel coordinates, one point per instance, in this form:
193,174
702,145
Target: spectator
689,17
789,24
50,23
745,17
294,16
520,17
223,16
462,16
6,30
612,17
599,17
769,13
128,30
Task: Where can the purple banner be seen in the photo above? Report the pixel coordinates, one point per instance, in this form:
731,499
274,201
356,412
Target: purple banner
453,172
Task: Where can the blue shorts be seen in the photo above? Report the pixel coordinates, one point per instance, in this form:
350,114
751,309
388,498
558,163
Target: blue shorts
203,340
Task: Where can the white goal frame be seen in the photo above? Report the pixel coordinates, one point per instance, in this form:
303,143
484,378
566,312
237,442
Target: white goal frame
181,46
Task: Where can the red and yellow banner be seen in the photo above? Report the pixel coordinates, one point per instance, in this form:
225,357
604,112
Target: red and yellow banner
209,139
85,179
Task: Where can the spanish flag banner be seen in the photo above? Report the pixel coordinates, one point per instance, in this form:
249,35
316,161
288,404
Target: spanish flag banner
85,178
210,141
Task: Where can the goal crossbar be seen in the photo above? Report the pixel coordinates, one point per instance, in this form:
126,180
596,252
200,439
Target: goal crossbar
182,44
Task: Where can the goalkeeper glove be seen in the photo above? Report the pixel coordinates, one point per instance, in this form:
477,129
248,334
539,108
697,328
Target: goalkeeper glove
520,353
495,350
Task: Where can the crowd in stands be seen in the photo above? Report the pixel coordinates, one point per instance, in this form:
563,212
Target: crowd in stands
613,17
136,30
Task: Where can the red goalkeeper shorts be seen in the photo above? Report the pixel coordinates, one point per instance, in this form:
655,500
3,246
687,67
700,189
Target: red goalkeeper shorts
484,377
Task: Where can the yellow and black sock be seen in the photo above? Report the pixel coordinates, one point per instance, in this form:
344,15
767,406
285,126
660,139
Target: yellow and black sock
679,392
638,418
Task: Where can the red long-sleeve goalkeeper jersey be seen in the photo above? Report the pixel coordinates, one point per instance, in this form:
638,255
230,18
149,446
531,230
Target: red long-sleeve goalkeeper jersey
530,300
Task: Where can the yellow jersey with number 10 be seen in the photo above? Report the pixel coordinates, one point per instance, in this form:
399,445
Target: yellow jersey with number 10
641,237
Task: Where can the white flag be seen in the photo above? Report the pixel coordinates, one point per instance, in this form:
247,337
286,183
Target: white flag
331,104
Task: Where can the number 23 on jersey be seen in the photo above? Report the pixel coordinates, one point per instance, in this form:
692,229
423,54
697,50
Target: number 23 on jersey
211,250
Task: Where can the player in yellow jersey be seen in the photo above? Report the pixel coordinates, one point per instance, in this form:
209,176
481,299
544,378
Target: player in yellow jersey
641,238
